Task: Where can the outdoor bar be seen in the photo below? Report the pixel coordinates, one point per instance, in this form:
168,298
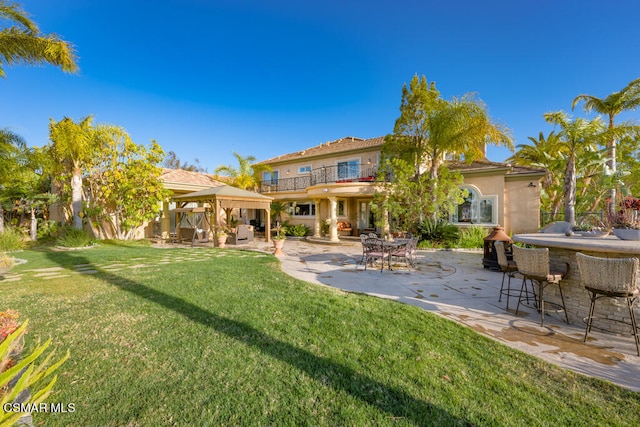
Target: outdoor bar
563,249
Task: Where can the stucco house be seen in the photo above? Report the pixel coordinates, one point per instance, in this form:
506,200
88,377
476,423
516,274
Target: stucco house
334,183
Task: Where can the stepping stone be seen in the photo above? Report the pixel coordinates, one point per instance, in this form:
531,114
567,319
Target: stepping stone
114,266
42,270
47,274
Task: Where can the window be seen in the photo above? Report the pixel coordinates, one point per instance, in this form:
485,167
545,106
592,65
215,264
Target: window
476,209
270,177
301,209
342,208
348,170
304,169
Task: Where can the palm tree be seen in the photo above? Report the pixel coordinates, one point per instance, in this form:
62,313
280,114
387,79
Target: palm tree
11,146
461,127
73,146
22,42
617,102
543,153
576,136
247,175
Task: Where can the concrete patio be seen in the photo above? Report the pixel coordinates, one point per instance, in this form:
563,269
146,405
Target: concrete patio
454,284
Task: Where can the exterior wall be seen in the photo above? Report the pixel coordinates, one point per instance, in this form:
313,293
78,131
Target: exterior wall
490,185
522,206
517,204
290,169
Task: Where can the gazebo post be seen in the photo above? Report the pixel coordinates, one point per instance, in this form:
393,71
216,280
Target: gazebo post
267,230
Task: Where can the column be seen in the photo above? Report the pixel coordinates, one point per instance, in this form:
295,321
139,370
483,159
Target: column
317,225
385,222
333,225
165,221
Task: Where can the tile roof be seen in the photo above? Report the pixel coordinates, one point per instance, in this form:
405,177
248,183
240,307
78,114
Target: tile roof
348,143
486,164
182,176
351,143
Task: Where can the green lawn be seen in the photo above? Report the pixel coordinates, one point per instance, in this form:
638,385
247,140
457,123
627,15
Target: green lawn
223,337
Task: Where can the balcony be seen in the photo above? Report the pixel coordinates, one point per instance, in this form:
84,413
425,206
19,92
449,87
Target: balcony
325,175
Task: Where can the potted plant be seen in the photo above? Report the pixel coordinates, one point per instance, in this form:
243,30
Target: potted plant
221,237
278,240
625,223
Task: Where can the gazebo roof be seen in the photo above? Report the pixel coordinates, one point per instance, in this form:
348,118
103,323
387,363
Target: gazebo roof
227,196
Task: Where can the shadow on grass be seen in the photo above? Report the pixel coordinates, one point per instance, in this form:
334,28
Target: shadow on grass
391,400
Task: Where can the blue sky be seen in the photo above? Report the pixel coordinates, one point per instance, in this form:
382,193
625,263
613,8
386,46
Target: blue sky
205,77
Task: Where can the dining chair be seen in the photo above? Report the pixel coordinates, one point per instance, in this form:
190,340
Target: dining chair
363,238
374,250
508,268
610,278
404,253
533,265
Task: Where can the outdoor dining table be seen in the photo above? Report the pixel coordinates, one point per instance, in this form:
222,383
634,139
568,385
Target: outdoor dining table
390,246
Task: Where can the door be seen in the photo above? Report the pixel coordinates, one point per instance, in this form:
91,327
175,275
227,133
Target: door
366,218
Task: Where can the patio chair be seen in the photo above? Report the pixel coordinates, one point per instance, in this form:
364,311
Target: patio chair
610,278
508,268
533,265
363,238
374,250
406,253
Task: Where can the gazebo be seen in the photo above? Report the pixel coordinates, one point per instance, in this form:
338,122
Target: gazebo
227,197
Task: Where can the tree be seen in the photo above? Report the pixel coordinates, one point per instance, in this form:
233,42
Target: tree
576,136
247,175
22,42
615,103
12,146
74,146
543,153
429,130
24,182
172,161
124,187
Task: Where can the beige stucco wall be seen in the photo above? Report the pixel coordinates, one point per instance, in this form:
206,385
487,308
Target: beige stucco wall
489,185
518,203
522,206
290,169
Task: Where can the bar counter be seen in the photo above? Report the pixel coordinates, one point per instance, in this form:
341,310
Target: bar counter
563,249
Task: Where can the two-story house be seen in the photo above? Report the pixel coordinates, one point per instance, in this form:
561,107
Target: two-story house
334,183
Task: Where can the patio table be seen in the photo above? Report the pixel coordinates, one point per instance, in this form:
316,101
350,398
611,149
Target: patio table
393,245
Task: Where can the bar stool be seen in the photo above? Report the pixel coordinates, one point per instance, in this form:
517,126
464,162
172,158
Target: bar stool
508,268
610,278
533,265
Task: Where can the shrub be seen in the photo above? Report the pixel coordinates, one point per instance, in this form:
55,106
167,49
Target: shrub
11,240
439,232
298,230
48,228
472,237
74,238
6,263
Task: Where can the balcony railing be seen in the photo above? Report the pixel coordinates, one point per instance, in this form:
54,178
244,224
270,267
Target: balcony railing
323,175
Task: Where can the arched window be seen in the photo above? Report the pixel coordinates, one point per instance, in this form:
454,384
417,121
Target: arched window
476,208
